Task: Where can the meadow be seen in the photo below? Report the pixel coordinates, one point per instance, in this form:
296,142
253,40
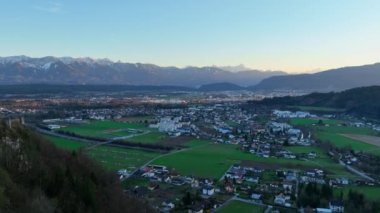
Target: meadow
213,160
334,133
319,109
370,193
65,143
312,121
342,141
112,158
149,138
115,158
322,160
238,206
104,129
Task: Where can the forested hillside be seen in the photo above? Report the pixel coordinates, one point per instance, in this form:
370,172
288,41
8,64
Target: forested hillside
363,101
37,177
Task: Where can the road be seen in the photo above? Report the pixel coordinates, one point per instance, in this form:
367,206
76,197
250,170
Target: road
353,170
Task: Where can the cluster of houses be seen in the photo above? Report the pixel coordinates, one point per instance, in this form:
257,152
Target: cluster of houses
289,114
293,136
57,123
247,181
273,140
159,173
282,190
174,126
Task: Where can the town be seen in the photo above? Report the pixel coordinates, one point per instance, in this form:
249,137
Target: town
199,156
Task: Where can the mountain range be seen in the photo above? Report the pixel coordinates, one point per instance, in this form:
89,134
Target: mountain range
329,80
67,70
88,71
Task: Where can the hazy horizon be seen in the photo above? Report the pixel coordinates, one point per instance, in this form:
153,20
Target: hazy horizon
246,68
290,36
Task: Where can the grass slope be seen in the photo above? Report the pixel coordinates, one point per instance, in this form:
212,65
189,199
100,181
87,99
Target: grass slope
65,143
212,160
115,158
370,193
238,206
149,138
103,129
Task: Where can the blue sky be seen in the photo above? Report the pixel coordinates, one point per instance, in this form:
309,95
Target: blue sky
290,35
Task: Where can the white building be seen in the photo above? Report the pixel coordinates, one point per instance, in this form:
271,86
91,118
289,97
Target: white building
208,190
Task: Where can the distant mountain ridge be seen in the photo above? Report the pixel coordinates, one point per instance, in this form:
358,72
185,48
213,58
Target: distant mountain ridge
223,86
67,70
330,80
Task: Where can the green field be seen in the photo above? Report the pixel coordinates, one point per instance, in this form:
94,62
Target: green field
65,143
240,207
318,109
322,160
333,133
231,123
342,141
196,142
103,129
115,158
213,160
370,193
112,158
149,138
311,121
306,149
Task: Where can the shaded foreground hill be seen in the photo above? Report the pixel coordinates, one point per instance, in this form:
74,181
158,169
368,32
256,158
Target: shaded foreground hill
37,177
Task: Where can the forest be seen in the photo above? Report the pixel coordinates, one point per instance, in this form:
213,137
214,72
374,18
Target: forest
35,176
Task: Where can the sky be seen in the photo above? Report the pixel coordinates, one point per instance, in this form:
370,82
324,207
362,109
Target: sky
289,35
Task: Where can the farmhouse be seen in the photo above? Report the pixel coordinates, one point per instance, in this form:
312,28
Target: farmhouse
336,206
256,196
282,199
208,190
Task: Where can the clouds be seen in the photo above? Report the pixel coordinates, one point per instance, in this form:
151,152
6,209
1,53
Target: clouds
50,7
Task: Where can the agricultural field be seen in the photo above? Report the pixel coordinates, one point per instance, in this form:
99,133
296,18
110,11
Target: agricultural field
319,109
149,138
312,121
374,140
238,206
105,129
340,135
337,136
136,119
232,123
115,158
213,160
65,143
196,142
340,140
112,158
370,193
322,160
